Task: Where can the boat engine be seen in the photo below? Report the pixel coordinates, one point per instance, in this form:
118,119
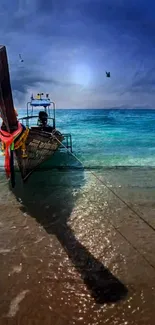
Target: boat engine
43,118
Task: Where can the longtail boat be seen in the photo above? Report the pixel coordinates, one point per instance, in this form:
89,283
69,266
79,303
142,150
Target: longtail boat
28,145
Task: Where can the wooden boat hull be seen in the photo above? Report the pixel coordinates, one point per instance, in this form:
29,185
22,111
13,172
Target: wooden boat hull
40,146
40,143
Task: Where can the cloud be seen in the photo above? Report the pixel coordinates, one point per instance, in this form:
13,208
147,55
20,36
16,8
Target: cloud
56,38
144,84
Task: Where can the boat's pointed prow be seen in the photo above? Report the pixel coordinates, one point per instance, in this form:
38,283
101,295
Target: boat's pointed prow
6,101
1,46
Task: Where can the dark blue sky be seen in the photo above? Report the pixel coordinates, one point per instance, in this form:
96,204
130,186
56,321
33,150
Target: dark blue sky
68,44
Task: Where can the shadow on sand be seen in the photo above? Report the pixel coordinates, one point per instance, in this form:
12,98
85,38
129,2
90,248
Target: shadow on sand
49,196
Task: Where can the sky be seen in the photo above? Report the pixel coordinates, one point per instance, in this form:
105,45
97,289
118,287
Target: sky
67,45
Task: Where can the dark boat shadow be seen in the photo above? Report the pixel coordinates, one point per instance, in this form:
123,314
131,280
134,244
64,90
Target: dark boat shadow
50,196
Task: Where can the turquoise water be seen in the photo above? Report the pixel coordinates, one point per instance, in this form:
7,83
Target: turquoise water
109,138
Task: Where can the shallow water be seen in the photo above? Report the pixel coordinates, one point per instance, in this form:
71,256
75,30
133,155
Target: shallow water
71,251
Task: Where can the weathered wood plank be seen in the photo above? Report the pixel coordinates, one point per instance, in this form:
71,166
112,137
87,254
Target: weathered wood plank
40,147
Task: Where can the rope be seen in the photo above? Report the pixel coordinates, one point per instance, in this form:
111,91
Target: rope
12,178
113,192
123,201
21,143
128,241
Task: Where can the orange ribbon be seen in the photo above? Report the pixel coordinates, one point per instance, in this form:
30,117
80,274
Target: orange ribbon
8,139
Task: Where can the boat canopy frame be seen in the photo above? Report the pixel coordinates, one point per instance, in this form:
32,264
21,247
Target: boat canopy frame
45,103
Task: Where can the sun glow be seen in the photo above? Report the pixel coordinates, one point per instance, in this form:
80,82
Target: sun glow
81,74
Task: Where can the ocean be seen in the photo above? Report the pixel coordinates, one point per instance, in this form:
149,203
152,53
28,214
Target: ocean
109,138
77,240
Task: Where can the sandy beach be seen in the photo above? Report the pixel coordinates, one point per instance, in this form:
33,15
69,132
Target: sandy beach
73,253
77,115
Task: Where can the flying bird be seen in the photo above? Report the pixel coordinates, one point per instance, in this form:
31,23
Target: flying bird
21,60
108,74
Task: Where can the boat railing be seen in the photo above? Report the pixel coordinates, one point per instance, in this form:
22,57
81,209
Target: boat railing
67,142
25,120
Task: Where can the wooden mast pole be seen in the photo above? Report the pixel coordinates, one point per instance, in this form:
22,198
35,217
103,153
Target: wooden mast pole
6,101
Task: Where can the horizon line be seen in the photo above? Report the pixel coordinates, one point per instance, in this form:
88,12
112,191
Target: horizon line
104,108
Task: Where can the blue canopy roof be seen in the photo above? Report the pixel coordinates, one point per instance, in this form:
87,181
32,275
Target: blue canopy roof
40,102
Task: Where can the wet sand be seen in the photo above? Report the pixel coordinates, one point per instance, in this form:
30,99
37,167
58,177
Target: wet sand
72,253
